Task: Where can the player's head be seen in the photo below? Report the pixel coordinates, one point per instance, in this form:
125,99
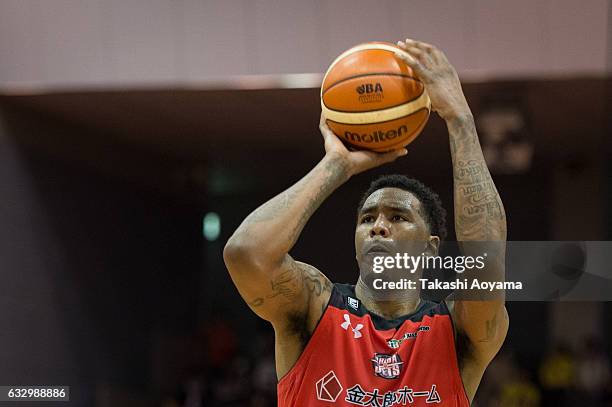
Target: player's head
396,210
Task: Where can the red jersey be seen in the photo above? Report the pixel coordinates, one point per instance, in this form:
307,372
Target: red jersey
356,358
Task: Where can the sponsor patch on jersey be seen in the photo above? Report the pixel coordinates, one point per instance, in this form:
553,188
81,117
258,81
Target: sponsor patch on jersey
387,366
359,396
353,303
395,343
328,387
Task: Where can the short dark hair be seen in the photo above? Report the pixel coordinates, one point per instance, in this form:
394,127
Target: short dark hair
434,212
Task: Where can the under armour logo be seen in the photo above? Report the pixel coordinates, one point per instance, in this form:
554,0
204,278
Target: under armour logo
347,323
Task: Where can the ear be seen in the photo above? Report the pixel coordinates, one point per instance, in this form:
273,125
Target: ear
433,245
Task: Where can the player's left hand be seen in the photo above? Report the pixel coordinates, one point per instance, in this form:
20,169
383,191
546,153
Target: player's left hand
354,161
438,75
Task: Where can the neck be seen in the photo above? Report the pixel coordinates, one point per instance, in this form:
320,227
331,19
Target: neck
390,309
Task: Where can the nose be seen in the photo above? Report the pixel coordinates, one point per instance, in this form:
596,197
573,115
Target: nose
380,227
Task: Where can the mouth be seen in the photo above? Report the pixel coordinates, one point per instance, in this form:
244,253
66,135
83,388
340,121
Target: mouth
378,247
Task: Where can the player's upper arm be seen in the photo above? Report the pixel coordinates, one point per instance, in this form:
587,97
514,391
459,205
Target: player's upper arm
480,314
484,323
277,291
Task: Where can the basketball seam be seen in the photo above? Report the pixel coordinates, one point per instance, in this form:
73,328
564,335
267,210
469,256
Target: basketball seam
394,145
377,110
327,112
370,74
418,130
385,121
362,47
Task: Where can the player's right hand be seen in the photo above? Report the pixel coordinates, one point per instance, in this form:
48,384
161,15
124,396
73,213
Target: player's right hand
355,161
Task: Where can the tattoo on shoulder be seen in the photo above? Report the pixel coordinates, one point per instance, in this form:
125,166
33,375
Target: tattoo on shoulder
289,283
314,281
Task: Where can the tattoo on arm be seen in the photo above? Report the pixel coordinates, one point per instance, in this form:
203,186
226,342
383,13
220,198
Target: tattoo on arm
257,302
492,325
272,208
286,214
490,328
267,235
289,283
479,213
479,216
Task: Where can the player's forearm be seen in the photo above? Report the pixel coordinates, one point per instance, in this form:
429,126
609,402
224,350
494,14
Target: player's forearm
269,233
479,212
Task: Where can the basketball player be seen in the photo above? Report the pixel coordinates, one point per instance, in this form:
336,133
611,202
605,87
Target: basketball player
341,344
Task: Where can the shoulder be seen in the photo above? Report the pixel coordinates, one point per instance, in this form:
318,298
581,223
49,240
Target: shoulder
294,330
477,339
317,289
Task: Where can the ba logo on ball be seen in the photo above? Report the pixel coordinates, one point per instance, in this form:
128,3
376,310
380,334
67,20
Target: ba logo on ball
387,366
369,88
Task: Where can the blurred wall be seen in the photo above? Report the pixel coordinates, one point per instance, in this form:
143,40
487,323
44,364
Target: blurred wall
111,42
91,266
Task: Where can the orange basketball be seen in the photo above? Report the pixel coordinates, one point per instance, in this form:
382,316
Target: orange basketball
372,99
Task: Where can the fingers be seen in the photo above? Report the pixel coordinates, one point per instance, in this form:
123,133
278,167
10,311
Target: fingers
368,159
426,54
322,123
392,155
419,44
412,61
407,55
415,57
419,47
419,52
325,130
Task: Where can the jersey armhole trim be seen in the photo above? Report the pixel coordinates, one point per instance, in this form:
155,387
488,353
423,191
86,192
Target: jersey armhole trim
314,331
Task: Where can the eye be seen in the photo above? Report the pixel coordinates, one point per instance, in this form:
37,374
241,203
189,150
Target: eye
398,218
367,219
